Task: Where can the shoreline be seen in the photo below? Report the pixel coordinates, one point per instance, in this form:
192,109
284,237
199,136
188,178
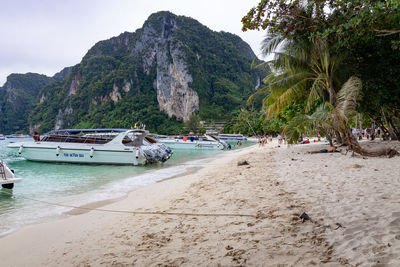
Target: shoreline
274,189
90,204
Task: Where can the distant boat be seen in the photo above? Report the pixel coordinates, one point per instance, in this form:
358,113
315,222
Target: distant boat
2,137
7,177
232,137
11,136
192,142
95,146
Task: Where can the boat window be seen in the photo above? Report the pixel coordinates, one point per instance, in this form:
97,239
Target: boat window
151,140
75,139
135,140
127,141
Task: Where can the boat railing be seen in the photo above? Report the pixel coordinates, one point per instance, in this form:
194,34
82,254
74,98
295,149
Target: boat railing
74,139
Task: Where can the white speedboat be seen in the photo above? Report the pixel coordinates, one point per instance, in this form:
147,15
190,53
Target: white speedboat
232,137
95,146
192,142
7,177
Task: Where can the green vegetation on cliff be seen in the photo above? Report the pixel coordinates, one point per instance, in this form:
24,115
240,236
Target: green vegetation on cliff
18,98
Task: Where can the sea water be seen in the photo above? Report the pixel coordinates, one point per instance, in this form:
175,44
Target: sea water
48,188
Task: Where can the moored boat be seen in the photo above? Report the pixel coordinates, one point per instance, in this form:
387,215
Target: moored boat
232,137
2,137
95,146
12,136
192,142
7,177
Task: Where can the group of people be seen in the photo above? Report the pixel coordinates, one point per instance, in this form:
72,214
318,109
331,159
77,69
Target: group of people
368,133
264,140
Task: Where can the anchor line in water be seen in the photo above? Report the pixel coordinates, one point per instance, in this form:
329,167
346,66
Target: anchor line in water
136,212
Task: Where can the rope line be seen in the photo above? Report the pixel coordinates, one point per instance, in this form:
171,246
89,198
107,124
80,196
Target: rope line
136,212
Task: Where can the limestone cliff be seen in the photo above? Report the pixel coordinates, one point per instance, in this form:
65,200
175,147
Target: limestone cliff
174,95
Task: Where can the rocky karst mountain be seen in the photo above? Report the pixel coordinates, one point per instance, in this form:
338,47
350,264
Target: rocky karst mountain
18,97
158,75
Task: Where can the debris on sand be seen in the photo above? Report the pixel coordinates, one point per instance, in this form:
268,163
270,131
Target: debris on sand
243,162
304,217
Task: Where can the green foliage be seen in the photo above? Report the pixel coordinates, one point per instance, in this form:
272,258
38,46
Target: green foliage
17,99
361,39
193,123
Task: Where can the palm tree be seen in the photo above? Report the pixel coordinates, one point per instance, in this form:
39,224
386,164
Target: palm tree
302,70
306,71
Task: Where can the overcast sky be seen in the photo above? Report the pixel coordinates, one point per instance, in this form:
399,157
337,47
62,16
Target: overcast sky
44,36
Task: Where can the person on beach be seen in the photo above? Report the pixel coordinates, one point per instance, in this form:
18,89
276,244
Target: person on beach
265,140
307,141
279,137
36,136
329,150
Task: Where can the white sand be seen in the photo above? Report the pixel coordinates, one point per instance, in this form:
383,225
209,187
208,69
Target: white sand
278,185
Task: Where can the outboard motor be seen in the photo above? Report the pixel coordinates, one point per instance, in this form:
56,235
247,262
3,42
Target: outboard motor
156,153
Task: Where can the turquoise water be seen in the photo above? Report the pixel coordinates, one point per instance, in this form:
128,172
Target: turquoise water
75,184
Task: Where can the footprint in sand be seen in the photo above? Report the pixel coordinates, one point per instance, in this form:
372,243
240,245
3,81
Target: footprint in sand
395,223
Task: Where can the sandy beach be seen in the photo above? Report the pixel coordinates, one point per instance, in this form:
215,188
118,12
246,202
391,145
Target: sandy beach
230,215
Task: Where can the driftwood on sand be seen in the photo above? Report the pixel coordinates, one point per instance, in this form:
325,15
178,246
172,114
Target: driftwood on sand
373,149
380,150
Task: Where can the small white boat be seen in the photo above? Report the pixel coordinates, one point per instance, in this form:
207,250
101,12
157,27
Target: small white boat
95,146
13,136
7,177
192,142
2,137
232,137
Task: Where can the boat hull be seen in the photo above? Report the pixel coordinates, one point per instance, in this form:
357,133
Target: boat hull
191,145
97,155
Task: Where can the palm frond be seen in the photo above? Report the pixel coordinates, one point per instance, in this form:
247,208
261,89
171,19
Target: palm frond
285,80
278,102
297,127
271,43
349,95
316,90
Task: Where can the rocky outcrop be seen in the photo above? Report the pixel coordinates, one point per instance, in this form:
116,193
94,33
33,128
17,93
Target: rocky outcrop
63,118
74,84
115,95
127,87
34,128
42,99
174,95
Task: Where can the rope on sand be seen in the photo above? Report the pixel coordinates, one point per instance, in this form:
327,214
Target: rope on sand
135,212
